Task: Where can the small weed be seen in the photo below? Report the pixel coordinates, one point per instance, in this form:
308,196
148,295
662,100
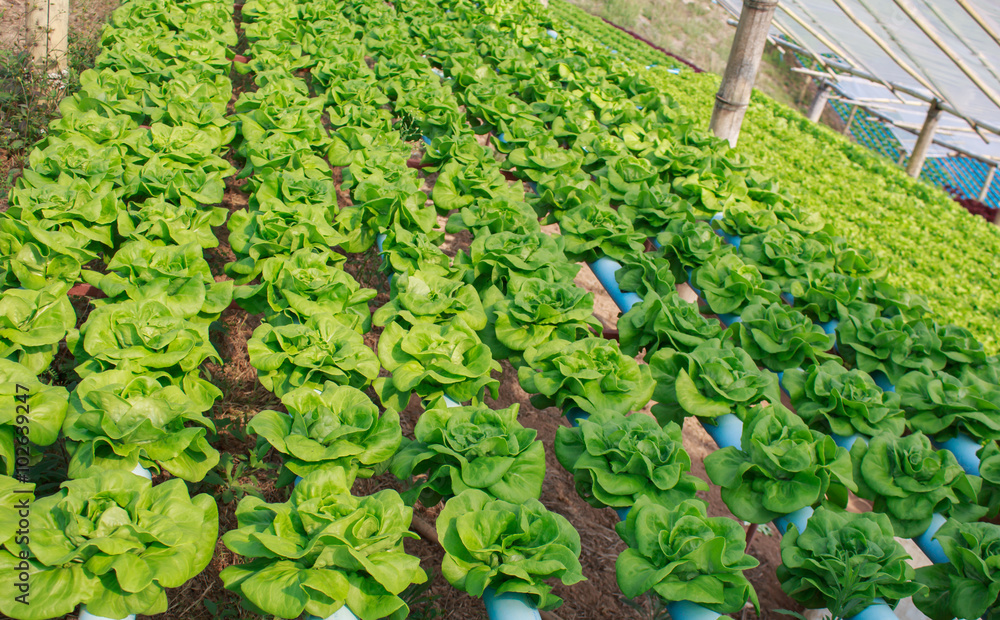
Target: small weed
231,470
649,607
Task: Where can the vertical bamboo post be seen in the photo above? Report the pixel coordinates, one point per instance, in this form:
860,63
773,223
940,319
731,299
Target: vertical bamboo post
48,33
819,102
733,97
850,119
924,140
984,192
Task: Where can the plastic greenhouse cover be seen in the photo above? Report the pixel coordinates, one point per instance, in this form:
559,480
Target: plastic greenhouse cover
950,21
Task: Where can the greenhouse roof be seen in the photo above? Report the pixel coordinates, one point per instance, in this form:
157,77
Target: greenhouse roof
948,49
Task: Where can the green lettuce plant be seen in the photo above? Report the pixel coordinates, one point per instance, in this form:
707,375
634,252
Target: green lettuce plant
535,312
729,284
782,466
831,398
682,554
495,216
410,252
323,549
659,322
780,337
336,427
321,350
907,479
27,404
175,275
713,379
824,294
282,229
117,420
892,345
86,209
490,543
645,274
960,348
595,230
592,374
33,323
474,447
652,209
434,361
112,541
495,259
32,258
968,585
989,471
309,282
894,301
844,561
617,459
424,297
783,256
140,336
171,222
689,244
941,406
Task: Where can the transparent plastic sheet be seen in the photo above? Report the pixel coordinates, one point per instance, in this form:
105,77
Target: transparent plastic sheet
956,27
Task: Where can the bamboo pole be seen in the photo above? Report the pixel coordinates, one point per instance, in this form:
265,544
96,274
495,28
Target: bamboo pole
733,98
895,86
850,119
924,140
883,45
928,29
819,102
984,192
974,14
47,28
827,41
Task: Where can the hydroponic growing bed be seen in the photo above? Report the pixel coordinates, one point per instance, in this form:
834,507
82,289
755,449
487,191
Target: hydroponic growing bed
409,128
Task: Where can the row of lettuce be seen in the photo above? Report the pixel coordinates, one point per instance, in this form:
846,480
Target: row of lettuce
931,245
586,145
510,297
120,180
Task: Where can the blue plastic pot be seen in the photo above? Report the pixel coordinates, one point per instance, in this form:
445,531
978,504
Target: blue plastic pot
728,319
727,431
575,414
686,610
964,448
604,268
882,381
830,327
931,547
848,441
341,614
501,138
509,606
797,518
788,298
426,139
86,615
623,512
876,611
733,240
